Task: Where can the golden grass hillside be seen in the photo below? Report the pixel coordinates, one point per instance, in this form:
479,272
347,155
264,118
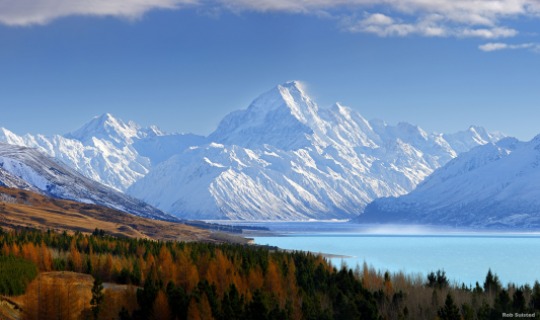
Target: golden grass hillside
20,208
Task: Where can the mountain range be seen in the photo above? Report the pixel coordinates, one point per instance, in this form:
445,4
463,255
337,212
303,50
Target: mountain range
282,158
494,185
103,149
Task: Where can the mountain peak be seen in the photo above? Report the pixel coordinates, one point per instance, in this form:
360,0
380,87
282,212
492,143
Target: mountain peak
103,120
292,97
106,117
481,131
462,141
535,140
10,137
294,85
291,94
286,108
106,126
337,106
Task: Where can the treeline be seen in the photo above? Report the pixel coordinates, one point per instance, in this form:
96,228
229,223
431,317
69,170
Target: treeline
401,296
170,280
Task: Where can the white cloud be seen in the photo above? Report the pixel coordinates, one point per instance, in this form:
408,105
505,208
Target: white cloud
457,18
378,19
492,33
493,46
498,46
479,12
471,11
429,26
385,26
38,12
294,6
431,18
381,25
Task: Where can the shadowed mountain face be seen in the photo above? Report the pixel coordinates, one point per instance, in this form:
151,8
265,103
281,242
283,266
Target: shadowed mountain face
30,169
495,185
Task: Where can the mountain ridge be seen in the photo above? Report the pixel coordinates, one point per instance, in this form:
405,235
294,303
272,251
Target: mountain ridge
29,169
283,157
491,185
105,149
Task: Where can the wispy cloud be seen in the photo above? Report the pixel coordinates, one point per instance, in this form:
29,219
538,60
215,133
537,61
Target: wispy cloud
433,25
39,12
488,33
498,46
431,18
464,11
441,18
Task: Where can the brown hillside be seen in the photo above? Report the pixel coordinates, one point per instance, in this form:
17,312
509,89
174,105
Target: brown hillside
20,208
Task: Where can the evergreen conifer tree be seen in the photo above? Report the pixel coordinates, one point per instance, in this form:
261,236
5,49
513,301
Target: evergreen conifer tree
97,297
450,311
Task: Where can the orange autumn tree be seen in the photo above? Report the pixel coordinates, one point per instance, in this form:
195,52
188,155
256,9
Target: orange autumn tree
161,309
61,298
75,258
186,280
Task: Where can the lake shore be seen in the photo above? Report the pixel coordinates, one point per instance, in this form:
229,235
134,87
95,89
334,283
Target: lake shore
413,249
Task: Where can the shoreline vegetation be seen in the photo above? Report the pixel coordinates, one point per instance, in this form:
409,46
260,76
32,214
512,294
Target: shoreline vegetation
98,276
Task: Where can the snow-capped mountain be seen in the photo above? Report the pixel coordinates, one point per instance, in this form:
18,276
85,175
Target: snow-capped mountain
30,169
466,140
100,150
284,158
107,149
497,184
281,158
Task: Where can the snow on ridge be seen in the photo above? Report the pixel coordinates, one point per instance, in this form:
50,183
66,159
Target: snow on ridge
30,169
282,157
107,126
495,184
107,149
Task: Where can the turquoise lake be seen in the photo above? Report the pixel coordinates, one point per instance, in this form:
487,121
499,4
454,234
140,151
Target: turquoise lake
464,256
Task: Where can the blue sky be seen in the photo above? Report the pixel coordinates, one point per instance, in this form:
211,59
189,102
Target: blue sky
184,64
